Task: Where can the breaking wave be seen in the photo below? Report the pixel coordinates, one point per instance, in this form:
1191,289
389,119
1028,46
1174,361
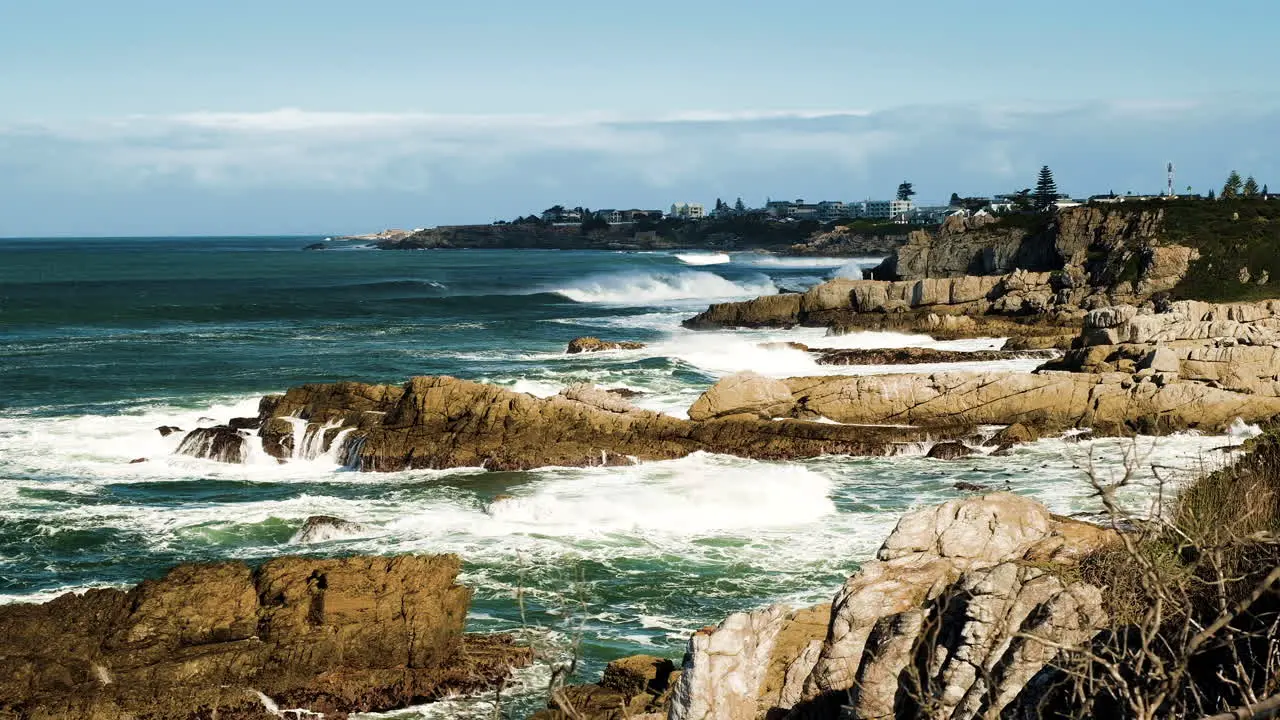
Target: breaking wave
703,258
647,288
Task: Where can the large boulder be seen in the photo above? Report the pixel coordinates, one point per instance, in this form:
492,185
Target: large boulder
743,393
222,640
949,608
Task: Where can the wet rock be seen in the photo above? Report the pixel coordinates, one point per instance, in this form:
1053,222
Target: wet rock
970,487
167,430
595,344
338,636
625,393
245,423
323,528
1014,434
783,345
949,451
221,443
443,422
135,461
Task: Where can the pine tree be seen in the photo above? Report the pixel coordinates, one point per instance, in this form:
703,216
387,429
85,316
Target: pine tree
1231,188
1046,192
740,206
1250,189
1213,195
905,191
1264,190
955,200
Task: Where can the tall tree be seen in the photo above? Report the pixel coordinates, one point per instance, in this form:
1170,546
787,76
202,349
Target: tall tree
1231,188
955,200
905,191
1250,189
740,206
1213,195
1046,192
1264,190
720,206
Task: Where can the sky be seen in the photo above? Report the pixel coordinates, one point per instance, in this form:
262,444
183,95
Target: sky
319,117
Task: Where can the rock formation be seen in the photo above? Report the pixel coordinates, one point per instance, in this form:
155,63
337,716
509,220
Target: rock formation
595,344
995,273
1193,366
442,422
222,640
921,356
322,528
962,607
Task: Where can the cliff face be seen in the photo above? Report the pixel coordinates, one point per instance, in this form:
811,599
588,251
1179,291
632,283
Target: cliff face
1102,247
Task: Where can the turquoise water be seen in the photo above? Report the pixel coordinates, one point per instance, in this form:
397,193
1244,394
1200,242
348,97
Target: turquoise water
106,339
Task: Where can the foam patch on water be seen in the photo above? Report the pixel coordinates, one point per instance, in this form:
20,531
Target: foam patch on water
635,289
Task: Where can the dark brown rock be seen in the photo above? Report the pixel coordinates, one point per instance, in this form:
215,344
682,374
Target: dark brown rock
1015,434
916,355
333,636
221,443
135,461
970,487
594,344
167,430
949,451
245,423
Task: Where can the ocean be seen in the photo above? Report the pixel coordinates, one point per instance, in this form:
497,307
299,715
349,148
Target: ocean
103,340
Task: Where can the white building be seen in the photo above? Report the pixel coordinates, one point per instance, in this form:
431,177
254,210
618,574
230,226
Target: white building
688,211
894,210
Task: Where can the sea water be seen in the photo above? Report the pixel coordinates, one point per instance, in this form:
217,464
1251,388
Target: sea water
104,340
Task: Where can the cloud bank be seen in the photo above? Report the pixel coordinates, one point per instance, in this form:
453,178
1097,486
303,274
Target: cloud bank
295,171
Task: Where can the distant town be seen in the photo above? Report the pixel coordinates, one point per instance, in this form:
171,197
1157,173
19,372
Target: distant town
901,210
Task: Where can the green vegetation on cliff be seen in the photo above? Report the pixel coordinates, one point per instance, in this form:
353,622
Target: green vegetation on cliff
1238,242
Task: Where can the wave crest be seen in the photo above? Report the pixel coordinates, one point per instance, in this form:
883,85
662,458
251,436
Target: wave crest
646,288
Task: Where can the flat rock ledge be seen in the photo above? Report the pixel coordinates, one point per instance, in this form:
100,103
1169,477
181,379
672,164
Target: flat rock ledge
1130,370
444,422
223,640
968,593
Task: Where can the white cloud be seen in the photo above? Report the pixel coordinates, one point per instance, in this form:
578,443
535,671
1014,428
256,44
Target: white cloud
472,167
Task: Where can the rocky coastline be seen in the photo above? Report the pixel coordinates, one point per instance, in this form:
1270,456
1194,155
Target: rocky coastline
975,608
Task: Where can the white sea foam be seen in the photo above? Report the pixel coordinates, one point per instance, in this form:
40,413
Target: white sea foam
703,258
655,288
780,261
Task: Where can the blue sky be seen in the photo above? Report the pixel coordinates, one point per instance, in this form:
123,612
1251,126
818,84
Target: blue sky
319,117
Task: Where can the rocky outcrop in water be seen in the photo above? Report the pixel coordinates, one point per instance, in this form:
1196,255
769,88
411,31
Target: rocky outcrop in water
595,344
963,606
1019,305
443,422
225,640
222,443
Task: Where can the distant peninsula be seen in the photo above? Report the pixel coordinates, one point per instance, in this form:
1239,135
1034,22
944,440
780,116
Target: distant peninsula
846,237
